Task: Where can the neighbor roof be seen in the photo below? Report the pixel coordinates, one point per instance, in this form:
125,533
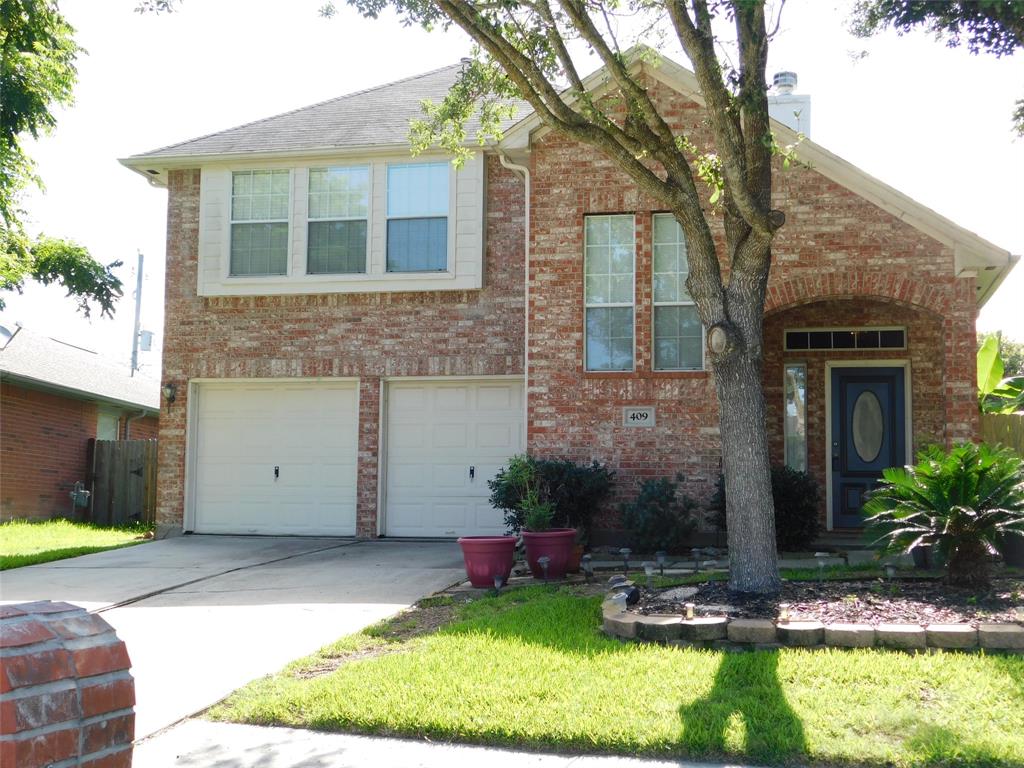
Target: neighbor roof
46,363
374,117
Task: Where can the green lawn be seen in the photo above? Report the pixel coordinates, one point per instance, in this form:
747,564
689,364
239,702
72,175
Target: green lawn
24,543
530,668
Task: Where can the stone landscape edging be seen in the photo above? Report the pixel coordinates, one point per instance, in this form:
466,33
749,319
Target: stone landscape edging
722,631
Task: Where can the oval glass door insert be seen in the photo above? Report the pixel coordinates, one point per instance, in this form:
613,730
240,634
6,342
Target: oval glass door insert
868,426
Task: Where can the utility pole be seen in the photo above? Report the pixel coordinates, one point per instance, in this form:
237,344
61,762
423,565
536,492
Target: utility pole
138,312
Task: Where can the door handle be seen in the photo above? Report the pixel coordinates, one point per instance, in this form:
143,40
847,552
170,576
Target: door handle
472,472
277,472
835,456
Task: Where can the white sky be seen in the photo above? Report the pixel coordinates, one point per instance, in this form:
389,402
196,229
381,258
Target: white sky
931,121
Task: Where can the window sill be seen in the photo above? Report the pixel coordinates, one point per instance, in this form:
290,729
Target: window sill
596,375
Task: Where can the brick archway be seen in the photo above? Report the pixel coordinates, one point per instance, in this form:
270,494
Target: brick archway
898,288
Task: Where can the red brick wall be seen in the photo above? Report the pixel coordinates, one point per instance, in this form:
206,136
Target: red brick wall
353,335
835,245
43,450
145,428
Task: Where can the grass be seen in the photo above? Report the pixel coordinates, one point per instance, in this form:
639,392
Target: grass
28,543
531,669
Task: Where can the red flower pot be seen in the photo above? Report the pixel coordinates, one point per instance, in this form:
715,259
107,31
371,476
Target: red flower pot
487,557
556,544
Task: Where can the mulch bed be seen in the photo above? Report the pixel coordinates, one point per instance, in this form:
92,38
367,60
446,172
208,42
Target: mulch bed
870,601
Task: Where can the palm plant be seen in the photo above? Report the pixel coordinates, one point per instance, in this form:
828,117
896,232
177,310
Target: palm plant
962,503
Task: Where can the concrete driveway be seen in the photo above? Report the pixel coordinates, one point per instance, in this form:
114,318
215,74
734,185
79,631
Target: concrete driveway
203,615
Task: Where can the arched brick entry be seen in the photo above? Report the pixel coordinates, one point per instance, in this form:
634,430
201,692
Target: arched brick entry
903,289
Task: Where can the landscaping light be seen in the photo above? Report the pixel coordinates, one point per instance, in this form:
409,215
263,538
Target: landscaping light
890,571
821,557
710,564
619,601
696,559
689,610
660,557
625,552
783,613
649,572
543,562
588,567
499,582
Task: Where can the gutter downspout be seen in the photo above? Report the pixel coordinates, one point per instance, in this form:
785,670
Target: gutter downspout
128,423
523,172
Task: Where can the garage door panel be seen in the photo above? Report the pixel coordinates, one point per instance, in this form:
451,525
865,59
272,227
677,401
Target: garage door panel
429,491
308,430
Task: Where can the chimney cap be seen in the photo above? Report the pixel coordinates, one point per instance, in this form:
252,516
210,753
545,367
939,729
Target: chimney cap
784,81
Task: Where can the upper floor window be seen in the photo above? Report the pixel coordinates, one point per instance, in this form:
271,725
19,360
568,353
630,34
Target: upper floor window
417,230
678,334
608,266
339,203
259,222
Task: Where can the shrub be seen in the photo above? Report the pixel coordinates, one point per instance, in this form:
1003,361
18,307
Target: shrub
961,503
795,495
659,518
574,492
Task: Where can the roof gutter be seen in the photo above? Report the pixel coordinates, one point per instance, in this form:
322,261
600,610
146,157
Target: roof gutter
79,394
1011,262
524,173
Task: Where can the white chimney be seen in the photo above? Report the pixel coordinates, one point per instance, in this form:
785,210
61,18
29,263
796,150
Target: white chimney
790,109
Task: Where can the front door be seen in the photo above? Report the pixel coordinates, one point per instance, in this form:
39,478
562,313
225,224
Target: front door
868,435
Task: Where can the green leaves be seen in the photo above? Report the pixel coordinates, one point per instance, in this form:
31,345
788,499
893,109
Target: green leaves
962,503
996,394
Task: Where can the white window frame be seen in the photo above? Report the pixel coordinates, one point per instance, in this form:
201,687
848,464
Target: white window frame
368,218
785,420
617,305
689,303
286,220
449,239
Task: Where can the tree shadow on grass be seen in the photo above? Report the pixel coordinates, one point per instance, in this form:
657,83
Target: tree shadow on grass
745,712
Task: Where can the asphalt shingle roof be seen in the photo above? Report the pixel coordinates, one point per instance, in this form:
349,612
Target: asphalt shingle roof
376,116
55,365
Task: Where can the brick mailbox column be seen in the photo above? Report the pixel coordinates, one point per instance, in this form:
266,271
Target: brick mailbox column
66,697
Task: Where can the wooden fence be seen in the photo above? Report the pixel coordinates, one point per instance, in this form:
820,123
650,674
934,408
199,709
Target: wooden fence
1007,429
123,481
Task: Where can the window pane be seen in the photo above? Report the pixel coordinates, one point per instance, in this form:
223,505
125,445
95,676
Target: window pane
418,190
259,249
418,245
891,339
678,339
259,195
609,338
795,417
671,267
609,260
796,339
337,247
339,193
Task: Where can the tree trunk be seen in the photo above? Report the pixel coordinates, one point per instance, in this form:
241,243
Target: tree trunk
750,513
968,565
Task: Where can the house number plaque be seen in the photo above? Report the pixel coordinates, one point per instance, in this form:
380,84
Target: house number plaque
638,416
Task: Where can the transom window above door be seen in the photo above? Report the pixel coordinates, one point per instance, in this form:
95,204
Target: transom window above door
609,289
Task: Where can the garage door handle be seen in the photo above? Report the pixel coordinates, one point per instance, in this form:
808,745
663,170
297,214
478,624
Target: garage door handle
472,472
277,472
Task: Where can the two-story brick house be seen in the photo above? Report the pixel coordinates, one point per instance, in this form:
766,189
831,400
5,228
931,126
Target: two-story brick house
360,338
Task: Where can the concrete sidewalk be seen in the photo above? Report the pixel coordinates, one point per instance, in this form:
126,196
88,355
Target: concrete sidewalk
201,744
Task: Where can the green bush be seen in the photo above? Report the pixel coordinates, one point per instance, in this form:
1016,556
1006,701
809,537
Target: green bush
796,495
961,503
575,492
659,518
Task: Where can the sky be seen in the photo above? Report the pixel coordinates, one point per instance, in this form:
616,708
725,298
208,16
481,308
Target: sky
931,121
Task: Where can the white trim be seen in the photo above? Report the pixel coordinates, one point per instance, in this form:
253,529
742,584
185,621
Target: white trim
382,447
610,305
188,516
907,401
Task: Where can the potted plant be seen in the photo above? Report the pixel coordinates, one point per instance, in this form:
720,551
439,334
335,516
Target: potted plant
488,558
541,540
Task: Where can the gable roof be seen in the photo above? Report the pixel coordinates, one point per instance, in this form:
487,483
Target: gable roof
373,117
41,362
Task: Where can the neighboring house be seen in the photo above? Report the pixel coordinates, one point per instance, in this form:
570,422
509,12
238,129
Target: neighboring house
55,398
345,323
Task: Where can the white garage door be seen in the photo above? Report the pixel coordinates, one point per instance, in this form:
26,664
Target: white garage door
276,458
445,440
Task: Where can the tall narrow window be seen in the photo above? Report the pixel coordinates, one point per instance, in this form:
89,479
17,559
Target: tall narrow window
608,292
338,206
795,416
678,334
418,217
259,222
